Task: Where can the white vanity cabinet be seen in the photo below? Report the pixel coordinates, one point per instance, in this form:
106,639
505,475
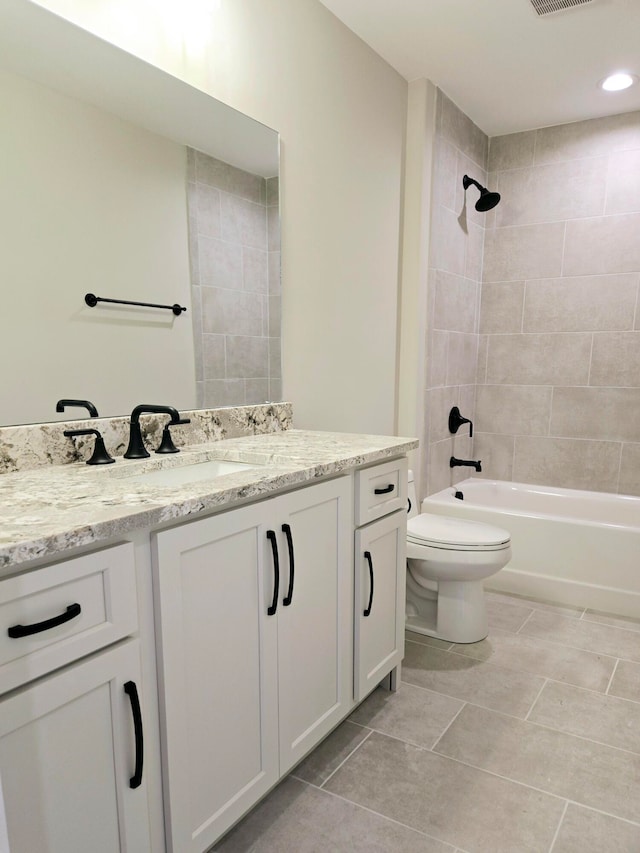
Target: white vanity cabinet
72,741
380,573
254,633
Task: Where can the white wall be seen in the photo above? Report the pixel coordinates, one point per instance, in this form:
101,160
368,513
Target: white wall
340,110
90,204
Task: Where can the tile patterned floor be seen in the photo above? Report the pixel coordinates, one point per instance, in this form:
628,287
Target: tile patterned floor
527,742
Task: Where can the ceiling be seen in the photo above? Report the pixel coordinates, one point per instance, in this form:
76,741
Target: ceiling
503,65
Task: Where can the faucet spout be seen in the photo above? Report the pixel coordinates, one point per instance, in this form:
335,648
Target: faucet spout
136,448
472,463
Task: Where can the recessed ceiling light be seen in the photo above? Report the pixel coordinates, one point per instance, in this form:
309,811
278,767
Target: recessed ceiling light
618,81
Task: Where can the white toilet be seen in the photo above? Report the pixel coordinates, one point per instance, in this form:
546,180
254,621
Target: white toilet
447,560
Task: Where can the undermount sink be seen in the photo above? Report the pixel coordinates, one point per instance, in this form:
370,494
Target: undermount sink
191,473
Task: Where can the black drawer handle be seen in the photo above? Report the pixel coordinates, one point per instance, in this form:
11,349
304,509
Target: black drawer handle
384,491
271,536
71,612
367,556
286,529
132,692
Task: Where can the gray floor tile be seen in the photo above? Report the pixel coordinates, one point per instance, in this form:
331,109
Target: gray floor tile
626,681
448,800
296,818
583,830
606,719
414,637
591,636
320,764
588,773
470,680
505,614
412,714
609,619
550,660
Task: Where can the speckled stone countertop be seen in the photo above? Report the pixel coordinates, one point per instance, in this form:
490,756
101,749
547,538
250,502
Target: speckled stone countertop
46,511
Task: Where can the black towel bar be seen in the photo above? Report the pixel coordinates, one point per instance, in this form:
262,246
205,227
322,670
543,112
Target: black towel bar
92,300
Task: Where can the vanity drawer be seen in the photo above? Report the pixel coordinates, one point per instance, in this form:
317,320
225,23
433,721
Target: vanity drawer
57,614
380,490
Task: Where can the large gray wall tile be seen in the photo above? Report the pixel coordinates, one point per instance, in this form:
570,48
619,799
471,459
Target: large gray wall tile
216,173
455,302
501,307
243,221
623,182
458,129
552,192
231,312
495,453
604,244
616,359
588,138
220,263
603,413
588,303
522,252
569,463
630,469
462,358
246,356
513,409
512,151
539,359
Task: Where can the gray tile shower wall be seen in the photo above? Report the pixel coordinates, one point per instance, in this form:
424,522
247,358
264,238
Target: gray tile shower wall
455,270
558,396
234,234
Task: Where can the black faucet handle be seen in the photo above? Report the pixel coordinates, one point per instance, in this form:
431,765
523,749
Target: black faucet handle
167,445
99,455
456,420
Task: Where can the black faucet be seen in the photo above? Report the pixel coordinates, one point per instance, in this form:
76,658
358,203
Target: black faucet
455,463
136,449
99,455
83,404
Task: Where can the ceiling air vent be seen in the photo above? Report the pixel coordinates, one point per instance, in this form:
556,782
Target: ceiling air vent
546,7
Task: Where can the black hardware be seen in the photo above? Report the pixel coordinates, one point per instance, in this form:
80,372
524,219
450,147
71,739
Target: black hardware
459,495
456,420
17,631
384,491
132,692
409,506
99,455
367,556
286,529
456,463
92,300
271,536
61,405
136,448
487,199
167,445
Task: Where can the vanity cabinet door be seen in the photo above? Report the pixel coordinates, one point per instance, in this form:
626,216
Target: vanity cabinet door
217,660
67,757
380,580
315,628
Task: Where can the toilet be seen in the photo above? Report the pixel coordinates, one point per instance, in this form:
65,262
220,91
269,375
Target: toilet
447,561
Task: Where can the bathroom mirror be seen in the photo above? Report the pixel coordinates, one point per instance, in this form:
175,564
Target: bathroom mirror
103,193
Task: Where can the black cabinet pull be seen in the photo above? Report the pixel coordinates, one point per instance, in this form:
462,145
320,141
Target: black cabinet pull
286,529
132,692
271,536
71,612
367,556
384,491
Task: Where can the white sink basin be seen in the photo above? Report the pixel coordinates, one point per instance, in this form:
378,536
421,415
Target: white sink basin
192,473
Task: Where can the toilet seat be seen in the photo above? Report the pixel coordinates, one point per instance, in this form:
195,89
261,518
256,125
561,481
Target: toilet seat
453,534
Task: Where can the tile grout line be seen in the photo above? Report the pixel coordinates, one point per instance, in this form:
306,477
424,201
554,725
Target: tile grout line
525,622
561,821
364,740
457,714
533,704
606,692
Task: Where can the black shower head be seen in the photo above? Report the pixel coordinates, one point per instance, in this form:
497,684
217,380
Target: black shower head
487,199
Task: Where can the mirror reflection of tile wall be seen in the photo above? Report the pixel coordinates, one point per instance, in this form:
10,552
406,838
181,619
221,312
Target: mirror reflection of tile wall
234,247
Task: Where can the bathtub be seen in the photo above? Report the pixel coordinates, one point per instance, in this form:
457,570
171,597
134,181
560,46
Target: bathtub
575,547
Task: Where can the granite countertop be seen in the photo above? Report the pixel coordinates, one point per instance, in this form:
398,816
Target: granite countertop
46,511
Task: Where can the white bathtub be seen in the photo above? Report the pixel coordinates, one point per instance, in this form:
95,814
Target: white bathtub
571,546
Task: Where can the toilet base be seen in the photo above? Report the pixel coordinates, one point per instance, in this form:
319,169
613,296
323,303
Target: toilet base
459,614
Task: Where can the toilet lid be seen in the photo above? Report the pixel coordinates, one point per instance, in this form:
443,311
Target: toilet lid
440,529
